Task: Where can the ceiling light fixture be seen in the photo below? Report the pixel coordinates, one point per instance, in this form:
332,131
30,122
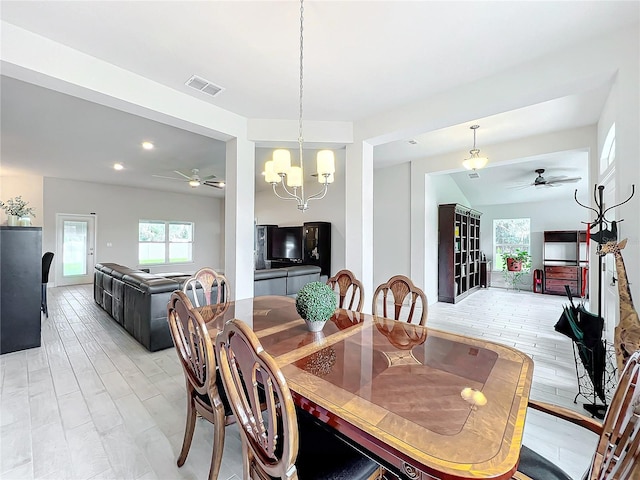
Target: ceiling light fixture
194,183
279,168
147,145
475,161
118,166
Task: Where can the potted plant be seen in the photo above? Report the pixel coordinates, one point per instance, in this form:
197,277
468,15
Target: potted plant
316,303
516,265
18,213
518,260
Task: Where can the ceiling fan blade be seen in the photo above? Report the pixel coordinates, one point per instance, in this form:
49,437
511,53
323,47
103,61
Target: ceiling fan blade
216,184
208,177
188,177
168,178
562,180
518,186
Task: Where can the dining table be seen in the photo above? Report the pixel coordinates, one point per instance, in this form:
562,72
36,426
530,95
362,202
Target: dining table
428,404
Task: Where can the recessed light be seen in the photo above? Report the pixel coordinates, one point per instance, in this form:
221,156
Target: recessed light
118,166
147,145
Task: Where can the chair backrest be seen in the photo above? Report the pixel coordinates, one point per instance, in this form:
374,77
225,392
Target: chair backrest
349,288
400,287
47,258
207,279
618,453
271,437
193,344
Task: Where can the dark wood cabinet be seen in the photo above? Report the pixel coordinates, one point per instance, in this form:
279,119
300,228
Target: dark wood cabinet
459,262
485,273
565,260
20,287
317,246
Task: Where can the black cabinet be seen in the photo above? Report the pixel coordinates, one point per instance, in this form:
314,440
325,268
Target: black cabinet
459,262
20,287
317,246
260,245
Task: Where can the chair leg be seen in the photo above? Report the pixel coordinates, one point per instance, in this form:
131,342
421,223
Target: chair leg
188,430
218,441
43,301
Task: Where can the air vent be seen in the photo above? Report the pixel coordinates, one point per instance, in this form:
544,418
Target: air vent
203,85
474,174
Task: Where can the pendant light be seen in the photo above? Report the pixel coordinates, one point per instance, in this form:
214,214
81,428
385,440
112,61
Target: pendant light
288,178
475,161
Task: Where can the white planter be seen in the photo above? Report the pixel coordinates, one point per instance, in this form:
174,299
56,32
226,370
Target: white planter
12,220
315,326
24,221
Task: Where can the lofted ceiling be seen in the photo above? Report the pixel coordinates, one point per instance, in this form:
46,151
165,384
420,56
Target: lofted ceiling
361,59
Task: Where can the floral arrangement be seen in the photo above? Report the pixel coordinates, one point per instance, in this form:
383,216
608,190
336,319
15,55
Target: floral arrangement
18,207
316,302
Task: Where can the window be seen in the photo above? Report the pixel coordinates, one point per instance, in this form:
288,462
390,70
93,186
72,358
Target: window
608,154
164,242
508,235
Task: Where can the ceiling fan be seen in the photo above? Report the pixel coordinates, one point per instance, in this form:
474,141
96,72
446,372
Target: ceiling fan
551,181
540,181
195,180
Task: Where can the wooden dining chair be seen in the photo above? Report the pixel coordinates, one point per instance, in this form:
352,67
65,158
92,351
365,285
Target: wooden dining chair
349,288
400,287
279,443
617,454
205,393
207,279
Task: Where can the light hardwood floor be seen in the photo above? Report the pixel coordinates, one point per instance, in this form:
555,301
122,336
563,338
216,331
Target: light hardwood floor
91,403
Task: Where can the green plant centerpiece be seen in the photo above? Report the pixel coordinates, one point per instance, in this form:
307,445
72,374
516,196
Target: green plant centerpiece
316,303
517,264
16,208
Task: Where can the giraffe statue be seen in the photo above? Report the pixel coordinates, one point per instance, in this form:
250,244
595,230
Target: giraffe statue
627,333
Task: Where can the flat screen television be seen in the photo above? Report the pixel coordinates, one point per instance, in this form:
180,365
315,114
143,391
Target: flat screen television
285,243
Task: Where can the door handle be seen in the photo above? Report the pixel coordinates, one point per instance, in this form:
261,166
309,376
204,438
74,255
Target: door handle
613,281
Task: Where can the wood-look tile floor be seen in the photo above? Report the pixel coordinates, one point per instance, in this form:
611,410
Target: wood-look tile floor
91,403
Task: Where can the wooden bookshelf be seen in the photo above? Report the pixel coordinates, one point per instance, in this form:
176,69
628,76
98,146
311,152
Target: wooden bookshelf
458,252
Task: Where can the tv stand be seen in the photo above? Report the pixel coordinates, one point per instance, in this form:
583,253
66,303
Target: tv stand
285,263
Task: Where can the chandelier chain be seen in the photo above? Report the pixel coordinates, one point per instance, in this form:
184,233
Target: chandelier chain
286,171
300,139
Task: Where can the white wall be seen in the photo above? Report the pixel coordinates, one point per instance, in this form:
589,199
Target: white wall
271,210
29,187
391,223
118,210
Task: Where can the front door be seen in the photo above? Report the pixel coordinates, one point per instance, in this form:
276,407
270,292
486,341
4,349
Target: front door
75,249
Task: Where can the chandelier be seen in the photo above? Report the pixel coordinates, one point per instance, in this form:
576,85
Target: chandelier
289,179
475,161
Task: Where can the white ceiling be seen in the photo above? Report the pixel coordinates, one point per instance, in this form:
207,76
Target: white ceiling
361,58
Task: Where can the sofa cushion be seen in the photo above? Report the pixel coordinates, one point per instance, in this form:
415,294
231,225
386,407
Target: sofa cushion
269,273
298,270
299,276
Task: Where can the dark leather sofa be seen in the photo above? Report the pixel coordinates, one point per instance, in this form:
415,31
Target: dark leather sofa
138,300
284,281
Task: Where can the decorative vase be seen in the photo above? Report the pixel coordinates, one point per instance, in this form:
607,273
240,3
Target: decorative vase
315,326
12,220
24,221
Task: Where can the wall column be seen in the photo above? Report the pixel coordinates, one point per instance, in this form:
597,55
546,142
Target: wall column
238,213
359,215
